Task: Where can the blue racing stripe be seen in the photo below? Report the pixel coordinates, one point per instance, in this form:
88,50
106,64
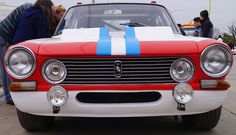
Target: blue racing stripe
132,43
104,43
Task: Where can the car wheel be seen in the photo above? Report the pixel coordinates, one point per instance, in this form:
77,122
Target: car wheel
204,121
33,122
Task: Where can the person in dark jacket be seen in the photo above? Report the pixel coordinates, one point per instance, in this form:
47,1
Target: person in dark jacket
7,29
207,26
36,22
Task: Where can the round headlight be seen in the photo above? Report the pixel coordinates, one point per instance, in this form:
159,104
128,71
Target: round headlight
57,96
54,71
216,61
20,62
183,93
182,70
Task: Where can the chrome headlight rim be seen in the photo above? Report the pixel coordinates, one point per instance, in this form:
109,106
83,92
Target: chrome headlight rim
7,66
227,68
192,70
44,74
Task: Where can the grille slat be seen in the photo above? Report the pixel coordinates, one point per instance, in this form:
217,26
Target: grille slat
88,65
89,69
147,64
114,79
147,68
134,70
145,71
118,82
125,75
89,72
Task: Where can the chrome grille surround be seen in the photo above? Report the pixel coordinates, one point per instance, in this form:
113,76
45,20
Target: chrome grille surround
150,70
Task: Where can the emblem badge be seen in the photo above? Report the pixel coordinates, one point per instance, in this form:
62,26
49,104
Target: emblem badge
118,69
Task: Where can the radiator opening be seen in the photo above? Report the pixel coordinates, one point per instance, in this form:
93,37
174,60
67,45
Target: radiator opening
121,97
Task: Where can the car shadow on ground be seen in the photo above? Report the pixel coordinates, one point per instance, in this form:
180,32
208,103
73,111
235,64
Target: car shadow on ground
120,126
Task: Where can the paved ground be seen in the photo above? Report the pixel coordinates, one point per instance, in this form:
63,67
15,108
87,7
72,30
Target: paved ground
9,124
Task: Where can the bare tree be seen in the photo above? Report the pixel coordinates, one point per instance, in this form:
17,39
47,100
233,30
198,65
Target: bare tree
230,37
232,30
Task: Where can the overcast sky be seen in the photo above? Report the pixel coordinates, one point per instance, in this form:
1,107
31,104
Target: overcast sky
223,11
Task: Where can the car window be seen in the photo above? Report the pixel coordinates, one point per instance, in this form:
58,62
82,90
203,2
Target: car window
115,16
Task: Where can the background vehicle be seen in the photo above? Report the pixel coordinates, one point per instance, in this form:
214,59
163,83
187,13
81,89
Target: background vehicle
189,29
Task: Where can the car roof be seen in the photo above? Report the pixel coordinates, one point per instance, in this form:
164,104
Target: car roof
113,3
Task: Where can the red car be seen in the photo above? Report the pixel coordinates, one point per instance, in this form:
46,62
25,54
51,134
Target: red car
118,60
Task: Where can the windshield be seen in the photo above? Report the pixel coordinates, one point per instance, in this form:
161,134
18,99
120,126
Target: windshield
115,17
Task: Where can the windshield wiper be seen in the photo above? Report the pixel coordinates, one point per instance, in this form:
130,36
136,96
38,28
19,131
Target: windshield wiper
134,24
112,26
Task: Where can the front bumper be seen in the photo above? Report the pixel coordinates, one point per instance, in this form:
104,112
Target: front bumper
37,103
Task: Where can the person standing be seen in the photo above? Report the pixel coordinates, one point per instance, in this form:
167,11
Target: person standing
59,12
36,22
197,25
207,26
7,29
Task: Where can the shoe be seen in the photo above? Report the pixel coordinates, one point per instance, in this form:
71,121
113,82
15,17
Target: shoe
10,102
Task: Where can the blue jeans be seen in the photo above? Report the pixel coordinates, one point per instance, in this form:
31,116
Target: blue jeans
5,79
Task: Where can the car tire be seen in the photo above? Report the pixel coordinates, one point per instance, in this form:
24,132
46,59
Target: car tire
204,121
33,122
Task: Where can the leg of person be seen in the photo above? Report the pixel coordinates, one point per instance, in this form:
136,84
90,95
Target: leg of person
5,78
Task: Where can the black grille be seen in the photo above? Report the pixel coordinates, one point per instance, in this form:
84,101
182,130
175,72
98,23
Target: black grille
134,70
125,97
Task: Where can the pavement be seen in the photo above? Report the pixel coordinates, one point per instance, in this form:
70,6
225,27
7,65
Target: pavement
9,124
